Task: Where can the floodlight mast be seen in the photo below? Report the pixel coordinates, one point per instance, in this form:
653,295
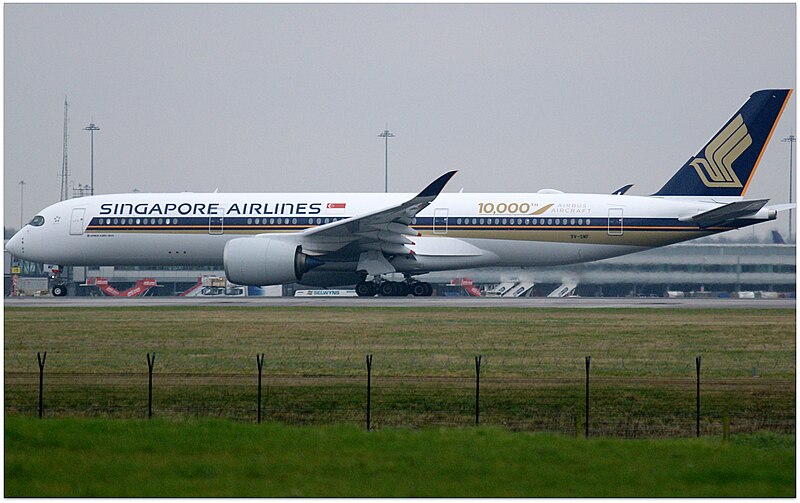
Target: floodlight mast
386,135
64,159
21,199
92,128
790,140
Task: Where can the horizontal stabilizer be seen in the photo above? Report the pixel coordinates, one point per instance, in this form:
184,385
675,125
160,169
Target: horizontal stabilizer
783,207
730,211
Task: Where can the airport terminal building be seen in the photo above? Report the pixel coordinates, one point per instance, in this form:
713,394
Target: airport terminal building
689,268
695,269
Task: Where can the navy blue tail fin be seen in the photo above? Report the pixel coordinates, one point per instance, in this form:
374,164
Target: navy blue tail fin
777,238
725,166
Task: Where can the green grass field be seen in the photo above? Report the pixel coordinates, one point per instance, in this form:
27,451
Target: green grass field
203,442
137,458
532,376
406,341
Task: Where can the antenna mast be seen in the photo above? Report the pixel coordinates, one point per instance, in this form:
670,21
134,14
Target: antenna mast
65,162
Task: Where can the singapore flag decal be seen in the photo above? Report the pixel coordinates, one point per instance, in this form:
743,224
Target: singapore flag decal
335,208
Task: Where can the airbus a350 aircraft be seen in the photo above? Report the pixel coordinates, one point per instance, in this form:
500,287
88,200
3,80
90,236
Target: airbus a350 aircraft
340,239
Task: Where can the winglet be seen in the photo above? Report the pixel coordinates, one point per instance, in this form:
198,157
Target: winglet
622,190
437,185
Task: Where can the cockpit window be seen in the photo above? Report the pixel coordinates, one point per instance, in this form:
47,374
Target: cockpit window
37,221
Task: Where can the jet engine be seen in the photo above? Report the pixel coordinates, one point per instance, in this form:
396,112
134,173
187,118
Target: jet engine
263,261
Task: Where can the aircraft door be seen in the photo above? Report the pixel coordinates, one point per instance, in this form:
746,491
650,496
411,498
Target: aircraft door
440,217
215,224
615,227
76,222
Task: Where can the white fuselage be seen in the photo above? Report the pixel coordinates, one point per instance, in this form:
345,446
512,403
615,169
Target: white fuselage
457,230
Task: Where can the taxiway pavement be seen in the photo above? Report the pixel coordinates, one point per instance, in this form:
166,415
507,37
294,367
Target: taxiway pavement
416,302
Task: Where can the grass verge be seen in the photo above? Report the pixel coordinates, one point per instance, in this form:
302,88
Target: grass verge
137,458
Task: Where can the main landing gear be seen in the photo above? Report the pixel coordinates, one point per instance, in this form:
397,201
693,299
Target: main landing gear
393,289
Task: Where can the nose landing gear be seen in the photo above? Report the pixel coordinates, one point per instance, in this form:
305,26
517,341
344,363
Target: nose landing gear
59,288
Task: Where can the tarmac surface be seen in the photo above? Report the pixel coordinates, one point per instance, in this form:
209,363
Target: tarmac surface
473,302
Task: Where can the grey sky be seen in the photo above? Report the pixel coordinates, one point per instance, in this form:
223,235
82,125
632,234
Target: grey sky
268,98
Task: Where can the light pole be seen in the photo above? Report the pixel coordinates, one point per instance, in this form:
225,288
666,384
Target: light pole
386,135
92,128
21,200
790,139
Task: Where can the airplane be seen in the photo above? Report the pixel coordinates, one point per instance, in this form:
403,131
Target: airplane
331,239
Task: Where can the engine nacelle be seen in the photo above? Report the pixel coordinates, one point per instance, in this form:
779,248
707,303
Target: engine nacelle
260,261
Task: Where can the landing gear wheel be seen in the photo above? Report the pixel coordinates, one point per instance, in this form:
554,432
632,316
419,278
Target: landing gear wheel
59,291
365,289
419,290
402,289
386,289
393,289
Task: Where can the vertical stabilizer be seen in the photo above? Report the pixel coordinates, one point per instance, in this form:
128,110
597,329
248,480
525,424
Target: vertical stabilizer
726,164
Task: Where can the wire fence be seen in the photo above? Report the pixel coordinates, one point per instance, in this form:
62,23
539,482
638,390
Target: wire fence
606,406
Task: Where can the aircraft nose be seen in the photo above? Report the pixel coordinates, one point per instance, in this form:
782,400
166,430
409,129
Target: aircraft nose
14,245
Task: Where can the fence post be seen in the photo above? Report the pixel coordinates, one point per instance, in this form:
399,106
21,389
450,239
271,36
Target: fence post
726,429
697,362
150,363
41,358
586,425
477,389
369,386
260,362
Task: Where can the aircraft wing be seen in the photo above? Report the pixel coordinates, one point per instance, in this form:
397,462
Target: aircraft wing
382,230
727,212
